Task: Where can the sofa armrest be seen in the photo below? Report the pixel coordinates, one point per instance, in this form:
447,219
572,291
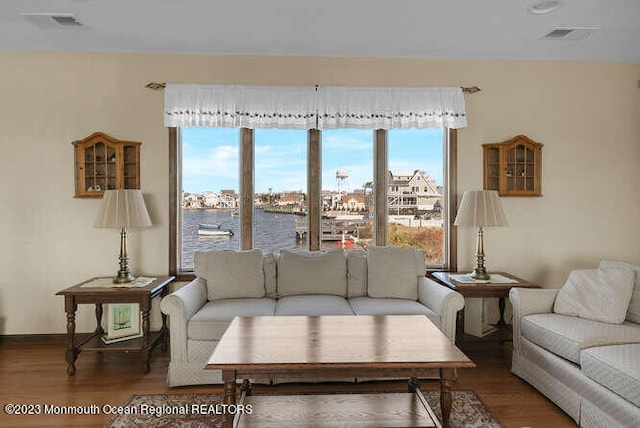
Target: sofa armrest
526,301
443,301
180,306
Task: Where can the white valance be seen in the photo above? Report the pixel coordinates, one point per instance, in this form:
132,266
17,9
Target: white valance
301,107
390,108
232,106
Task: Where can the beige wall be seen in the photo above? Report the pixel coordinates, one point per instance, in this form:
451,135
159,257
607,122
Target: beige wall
587,115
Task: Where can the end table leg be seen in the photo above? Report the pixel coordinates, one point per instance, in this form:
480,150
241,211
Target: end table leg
71,353
459,326
146,314
446,380
98,331
164,331
501,321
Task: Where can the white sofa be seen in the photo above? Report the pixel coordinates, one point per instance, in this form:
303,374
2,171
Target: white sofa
590,369
381,281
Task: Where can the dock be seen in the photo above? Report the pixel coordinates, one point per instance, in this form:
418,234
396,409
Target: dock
333,230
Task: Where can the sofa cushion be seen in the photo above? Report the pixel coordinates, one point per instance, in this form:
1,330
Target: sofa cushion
231,274
392,273
312,272
615,367
211,321
596,294
356,273
313,305
567,336
633,311
374,306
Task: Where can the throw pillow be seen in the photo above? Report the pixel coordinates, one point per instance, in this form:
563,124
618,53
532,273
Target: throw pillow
231,274
596,294
312,272
392,272
633,311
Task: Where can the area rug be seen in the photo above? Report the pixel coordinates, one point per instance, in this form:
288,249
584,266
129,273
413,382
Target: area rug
178,411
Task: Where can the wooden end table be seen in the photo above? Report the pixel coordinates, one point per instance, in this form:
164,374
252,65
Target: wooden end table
84,293
481,290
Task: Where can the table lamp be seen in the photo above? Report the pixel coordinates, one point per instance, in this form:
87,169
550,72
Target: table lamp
123,208
480,208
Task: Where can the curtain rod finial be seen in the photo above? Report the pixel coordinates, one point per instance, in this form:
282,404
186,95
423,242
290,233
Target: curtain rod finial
155,86
471,89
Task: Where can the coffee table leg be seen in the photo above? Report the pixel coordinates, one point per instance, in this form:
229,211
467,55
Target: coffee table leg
246,386
446,380
229,378
413,384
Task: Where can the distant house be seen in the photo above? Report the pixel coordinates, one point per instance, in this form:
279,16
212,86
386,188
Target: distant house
228,199
289,200
412,190
190,200
353,202
209,199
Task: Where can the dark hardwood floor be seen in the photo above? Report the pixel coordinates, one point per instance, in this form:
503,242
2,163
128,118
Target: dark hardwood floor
36,374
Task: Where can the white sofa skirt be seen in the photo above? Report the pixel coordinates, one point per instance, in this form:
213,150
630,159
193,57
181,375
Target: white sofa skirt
589,404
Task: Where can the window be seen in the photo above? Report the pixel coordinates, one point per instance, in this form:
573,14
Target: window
347,189
280,186
209,196
414,164
417,157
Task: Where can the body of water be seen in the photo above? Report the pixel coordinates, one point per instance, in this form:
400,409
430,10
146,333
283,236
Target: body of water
272,232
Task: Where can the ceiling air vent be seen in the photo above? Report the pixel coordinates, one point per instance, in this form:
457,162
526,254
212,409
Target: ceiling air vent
52,20
570,33
66,20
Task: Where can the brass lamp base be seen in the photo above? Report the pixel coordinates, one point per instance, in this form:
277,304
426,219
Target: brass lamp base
480,273
123,278
124,274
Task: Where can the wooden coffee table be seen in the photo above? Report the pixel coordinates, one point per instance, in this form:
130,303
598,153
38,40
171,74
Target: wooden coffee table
297,347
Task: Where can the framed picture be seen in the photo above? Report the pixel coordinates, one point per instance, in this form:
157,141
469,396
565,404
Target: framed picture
123,322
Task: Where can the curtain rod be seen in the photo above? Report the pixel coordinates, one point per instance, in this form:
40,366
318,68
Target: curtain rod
157,86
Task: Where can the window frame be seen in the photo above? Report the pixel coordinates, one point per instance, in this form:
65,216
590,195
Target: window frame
314,192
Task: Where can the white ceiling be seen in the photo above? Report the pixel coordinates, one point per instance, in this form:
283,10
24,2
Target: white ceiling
480,29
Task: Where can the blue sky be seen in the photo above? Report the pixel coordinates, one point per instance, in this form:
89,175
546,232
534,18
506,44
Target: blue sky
210,157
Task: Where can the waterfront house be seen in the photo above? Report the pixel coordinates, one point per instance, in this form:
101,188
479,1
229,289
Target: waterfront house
352,202
413,191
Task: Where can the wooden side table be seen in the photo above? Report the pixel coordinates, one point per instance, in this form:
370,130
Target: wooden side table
83,293
482,290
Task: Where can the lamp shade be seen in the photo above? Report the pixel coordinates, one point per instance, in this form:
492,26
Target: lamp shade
480,208
122,208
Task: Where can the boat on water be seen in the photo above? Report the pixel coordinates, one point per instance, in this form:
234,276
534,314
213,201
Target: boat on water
235,213
209,226
207,229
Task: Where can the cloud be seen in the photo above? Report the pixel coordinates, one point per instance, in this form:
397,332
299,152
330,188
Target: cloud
337,142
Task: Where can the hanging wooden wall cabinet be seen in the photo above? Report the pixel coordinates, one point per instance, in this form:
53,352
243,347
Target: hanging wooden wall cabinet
102,162
513,167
